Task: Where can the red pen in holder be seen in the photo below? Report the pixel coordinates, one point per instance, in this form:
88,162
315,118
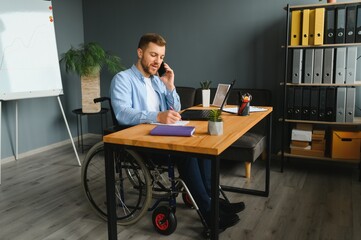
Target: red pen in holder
244,104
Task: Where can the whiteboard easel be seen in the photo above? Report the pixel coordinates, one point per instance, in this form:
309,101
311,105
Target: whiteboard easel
29,64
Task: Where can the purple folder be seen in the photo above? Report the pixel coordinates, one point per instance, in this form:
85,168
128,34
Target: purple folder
167,130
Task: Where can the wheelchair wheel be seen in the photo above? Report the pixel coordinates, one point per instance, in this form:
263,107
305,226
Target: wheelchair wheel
164,220
132,201
187,200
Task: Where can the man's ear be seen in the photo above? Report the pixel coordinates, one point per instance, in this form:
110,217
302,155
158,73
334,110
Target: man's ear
140,53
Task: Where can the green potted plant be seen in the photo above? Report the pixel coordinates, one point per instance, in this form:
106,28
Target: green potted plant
206,93
87,61
215,122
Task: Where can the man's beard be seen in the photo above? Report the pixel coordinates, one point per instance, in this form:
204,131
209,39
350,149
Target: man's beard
146,68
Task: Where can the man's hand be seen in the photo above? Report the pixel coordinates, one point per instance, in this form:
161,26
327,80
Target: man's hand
168,117
168,77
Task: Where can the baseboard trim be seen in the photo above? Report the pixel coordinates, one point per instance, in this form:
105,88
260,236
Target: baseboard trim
46,148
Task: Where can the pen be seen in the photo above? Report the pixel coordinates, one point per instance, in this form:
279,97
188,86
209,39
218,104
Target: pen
171,108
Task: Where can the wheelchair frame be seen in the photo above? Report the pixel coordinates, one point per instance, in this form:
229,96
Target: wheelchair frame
137,182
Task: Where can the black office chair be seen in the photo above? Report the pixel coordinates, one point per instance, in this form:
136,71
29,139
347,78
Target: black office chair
187,96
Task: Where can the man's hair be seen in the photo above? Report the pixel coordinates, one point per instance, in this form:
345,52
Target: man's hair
151,37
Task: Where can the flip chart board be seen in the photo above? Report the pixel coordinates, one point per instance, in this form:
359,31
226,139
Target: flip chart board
29,63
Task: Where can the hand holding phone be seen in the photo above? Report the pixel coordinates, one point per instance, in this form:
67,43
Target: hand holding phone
161,70
166,75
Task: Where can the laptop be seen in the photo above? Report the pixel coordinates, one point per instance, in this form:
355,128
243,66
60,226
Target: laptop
203,114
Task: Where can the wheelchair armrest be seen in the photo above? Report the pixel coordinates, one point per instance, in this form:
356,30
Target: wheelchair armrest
116,128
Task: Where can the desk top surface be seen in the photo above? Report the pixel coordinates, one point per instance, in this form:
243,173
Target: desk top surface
201,142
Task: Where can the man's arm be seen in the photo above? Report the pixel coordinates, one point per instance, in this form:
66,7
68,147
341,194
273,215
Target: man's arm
128,102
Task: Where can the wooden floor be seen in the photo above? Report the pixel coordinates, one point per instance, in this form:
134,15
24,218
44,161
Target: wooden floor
41,198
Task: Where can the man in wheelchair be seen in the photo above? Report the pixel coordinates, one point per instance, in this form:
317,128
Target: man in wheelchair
140,95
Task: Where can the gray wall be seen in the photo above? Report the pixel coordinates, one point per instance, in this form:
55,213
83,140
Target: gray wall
207,40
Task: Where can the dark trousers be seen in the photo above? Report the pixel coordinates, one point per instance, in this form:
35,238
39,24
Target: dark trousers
196,173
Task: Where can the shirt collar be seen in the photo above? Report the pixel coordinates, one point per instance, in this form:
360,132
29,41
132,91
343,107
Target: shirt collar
138,74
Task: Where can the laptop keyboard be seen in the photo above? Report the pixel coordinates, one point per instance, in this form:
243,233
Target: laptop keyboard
204,113
195,114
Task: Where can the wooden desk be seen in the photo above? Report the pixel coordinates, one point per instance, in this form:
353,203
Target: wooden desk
200,144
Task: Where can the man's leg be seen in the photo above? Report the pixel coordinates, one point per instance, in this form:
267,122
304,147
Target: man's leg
189,171
205,169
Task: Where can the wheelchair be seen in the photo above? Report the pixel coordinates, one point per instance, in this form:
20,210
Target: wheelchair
138,183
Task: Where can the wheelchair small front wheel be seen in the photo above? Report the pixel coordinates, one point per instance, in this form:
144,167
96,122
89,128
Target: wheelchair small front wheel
164,220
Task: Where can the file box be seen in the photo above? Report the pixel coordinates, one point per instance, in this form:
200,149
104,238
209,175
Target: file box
345,145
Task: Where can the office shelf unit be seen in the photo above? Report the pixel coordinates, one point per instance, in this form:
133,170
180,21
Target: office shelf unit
295,76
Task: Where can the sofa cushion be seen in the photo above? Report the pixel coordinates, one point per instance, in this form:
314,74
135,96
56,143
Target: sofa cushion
248,140
247,148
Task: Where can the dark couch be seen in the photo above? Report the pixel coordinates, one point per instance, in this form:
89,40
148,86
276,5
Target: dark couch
251,145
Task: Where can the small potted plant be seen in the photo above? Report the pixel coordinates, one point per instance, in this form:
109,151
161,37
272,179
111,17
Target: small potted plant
215,122
87,61
206,93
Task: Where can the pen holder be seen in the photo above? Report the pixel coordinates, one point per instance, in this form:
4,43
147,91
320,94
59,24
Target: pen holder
244,104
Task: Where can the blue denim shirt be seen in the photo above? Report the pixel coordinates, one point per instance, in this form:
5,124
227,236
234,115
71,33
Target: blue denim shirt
129,97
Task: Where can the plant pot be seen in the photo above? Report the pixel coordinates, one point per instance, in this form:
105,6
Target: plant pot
90,89
206,95
215,128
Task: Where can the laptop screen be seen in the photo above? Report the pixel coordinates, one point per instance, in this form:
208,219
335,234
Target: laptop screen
227,95
221,93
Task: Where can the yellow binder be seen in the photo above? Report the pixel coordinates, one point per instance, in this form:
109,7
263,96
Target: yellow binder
311,31
305,26
295,38
319,25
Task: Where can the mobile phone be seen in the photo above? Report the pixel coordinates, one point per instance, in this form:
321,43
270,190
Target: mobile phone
161,70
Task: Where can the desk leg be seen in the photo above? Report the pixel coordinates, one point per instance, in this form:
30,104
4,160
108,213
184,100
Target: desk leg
110,191
269,147
215,198
265,192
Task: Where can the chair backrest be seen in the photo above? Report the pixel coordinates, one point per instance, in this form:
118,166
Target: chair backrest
187,96
103,99
260,97
116,126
